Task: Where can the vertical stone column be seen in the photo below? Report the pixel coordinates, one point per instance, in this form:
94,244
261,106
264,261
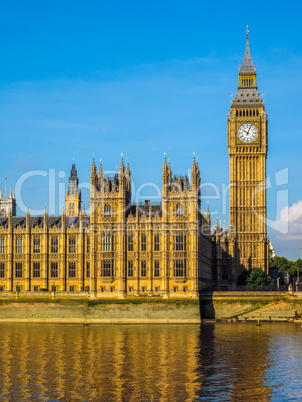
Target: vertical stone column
44,251
27,254
10,249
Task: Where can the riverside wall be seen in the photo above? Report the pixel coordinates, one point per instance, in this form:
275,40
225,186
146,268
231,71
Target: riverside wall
251,306
81,309
220,306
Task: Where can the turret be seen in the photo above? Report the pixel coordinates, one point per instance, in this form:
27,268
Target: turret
45,219
128,177
165,178
217,231
208,216
122,179
194,176
122,166
27,219
93,190
10,220
93,174
81,215
63,219
73,195
179,182
100,175
73,181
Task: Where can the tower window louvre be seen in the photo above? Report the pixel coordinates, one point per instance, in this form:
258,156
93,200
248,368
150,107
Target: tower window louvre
107,211
179,210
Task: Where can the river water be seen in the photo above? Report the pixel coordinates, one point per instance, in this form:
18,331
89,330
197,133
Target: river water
211,362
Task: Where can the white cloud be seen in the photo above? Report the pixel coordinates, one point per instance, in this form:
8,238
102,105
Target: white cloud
289,226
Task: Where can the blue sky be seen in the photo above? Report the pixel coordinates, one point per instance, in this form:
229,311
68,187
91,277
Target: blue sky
143,78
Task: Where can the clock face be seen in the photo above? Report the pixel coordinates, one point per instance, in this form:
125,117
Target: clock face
247,132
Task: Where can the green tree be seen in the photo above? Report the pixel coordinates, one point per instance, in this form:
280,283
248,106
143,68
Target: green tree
258,278
286,266
297,265
254,278
281,263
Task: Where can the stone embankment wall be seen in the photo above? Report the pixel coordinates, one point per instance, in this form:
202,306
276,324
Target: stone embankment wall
251,306
80,309
221,306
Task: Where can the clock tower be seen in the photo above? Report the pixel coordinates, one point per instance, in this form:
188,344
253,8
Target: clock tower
247,145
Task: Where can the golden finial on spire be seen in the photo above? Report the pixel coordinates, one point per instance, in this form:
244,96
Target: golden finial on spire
247,32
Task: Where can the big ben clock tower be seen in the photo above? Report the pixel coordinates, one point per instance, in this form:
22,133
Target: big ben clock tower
247,144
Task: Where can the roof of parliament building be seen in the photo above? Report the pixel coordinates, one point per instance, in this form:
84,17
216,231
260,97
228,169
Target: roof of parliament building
39,221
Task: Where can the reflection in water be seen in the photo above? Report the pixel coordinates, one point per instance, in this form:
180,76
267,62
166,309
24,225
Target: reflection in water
218,362
233,360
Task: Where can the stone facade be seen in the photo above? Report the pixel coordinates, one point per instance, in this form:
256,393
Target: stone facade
121,249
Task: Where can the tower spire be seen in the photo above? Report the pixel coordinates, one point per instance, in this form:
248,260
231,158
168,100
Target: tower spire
73,181
247,80
247,64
